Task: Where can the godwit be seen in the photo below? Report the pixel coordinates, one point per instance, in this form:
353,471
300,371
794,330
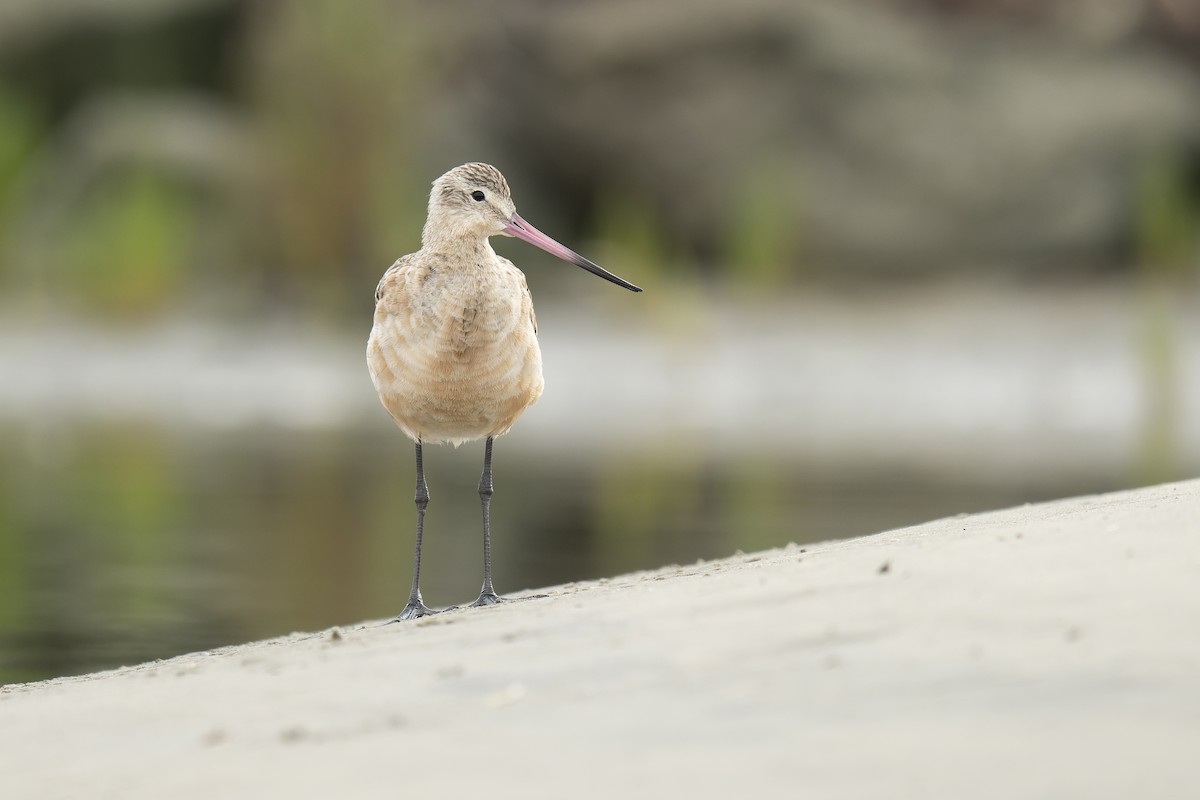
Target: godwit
454,352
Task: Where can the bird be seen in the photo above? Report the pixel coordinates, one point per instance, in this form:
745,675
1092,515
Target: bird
453,351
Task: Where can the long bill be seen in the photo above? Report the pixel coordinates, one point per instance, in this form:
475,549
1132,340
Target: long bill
523,230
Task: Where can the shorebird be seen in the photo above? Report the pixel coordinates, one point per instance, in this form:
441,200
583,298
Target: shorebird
454,352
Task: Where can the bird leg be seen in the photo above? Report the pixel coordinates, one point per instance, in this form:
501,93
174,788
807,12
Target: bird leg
487,595
415,607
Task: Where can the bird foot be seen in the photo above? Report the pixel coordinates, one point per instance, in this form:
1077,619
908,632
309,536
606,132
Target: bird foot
414,610
488,599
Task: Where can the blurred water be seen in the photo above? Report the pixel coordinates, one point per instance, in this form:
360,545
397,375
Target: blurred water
126,543
179,488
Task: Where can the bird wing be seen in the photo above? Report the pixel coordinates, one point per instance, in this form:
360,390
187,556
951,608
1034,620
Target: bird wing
393,279
518,277
529,302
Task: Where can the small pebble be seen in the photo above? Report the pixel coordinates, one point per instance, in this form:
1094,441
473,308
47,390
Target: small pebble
214,737
293,734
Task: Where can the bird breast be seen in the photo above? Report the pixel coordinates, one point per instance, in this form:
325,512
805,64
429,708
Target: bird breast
453,353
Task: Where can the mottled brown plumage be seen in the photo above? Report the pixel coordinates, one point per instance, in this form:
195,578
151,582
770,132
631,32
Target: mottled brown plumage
453,352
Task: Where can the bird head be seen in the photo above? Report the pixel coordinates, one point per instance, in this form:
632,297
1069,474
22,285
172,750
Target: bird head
471,201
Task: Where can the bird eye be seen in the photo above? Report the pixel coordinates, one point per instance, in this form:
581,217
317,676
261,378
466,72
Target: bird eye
477,196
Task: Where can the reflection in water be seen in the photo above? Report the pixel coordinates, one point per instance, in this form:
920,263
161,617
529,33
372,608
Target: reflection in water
122,544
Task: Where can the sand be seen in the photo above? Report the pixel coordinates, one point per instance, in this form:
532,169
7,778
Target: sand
1044,651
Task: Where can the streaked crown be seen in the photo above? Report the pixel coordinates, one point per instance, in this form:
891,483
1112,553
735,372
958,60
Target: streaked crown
467,204
456,186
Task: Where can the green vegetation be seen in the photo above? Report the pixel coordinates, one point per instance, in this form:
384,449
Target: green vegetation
762,242
128,247
21,131
1167,218
1168,243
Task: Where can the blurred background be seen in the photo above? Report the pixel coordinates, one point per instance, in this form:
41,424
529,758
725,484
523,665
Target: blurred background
903,259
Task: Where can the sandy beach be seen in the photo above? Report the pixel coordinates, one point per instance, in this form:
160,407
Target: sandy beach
1040,651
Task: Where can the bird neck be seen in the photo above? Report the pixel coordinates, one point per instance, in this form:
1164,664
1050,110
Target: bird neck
468,252
455,242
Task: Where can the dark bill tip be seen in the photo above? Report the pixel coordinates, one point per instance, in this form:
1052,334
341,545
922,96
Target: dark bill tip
523,230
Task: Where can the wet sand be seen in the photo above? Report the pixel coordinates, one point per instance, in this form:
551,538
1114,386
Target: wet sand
1041,651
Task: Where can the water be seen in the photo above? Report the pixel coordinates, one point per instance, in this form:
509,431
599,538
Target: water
188,485
123,543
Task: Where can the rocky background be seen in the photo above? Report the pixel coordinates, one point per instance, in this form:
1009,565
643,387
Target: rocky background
249,153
